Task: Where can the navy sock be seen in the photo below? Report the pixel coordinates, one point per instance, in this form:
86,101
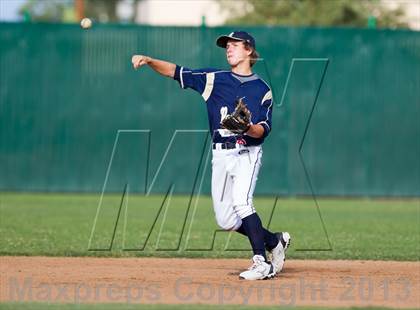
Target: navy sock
252,227
241,230
270,239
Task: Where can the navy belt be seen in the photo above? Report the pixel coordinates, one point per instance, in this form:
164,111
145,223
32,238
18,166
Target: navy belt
225,146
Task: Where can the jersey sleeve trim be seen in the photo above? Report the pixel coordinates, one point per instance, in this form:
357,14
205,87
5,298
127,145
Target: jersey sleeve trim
267,117
265,124
181,80
209,86
268,96
267,103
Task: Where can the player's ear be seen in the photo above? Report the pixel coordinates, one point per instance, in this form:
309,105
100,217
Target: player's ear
248,49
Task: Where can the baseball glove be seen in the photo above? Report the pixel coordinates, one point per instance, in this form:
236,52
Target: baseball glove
239,121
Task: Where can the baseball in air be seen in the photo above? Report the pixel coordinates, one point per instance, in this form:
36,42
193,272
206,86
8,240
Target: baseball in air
86,23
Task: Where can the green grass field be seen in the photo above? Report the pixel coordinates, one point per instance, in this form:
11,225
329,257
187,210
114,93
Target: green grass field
61,225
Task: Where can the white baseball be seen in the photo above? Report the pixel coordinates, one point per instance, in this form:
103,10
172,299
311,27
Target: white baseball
86,23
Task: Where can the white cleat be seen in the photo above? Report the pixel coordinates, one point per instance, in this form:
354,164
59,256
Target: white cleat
260,270
279,252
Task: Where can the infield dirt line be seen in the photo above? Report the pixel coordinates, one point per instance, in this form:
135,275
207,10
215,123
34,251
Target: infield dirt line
208,281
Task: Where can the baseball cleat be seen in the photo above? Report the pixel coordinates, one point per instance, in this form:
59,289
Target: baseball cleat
260,270
279,252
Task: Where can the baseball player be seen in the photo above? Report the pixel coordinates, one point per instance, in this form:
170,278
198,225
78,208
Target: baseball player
239,107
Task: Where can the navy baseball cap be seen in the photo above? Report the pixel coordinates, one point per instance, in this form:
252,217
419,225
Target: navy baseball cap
238,36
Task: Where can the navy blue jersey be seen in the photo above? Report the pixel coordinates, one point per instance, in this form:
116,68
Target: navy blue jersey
220,90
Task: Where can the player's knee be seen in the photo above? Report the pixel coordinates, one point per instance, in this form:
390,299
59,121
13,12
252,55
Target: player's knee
227,224
244,210
223,224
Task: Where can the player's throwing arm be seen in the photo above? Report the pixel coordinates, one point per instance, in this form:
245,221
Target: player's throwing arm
163,67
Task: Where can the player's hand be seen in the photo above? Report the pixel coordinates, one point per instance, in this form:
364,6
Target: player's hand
140,60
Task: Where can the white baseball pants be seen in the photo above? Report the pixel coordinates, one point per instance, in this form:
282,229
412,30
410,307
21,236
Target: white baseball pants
234,175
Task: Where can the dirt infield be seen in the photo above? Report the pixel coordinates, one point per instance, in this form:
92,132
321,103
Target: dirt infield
208,281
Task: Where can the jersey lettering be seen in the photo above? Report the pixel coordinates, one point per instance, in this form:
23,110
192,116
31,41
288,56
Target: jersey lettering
223,113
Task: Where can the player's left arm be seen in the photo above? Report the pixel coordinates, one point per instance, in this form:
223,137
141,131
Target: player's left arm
263,127
255,131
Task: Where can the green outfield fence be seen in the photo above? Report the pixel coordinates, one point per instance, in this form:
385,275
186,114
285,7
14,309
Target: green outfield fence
66,94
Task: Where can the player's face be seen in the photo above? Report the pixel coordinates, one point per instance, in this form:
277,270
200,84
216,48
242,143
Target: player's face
236,53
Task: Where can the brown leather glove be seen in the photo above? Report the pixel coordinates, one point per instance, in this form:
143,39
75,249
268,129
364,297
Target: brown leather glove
239,121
